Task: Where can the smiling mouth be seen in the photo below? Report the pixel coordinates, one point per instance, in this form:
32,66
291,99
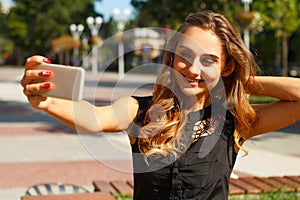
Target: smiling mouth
193,80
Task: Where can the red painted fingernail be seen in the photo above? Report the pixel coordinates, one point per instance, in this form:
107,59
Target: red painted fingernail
46,74
46,60
46,85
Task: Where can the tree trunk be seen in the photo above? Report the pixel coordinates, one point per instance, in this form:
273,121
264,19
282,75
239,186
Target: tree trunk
285,55
278,54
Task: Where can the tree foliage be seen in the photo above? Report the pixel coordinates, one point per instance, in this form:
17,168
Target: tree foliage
160,13
3,22
277,17
282,16
33,23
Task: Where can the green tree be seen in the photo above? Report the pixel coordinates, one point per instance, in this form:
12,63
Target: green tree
159,13
6,45
33,23
3,22
283,17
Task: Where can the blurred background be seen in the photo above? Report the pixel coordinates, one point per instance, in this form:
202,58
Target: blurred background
66,31
110,36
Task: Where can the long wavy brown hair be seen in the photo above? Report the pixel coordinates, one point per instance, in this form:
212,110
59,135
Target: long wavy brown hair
165,119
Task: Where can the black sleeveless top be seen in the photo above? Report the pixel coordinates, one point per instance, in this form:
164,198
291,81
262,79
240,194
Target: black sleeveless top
202,172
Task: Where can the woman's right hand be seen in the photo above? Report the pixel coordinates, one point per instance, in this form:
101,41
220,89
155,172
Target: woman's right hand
34,82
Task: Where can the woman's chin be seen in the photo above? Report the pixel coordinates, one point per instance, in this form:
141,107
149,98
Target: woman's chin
190,92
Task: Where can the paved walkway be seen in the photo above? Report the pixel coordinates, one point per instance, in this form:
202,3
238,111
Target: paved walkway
37,148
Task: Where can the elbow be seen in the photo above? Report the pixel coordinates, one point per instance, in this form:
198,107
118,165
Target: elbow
295,98
88,130
97,129
295,110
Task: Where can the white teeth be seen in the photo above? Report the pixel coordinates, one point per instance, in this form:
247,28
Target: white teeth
191,80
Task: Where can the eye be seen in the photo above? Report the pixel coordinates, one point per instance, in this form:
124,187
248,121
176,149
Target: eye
185,55
207,61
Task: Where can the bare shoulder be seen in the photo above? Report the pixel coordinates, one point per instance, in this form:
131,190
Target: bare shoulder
132,105
129,104
117,116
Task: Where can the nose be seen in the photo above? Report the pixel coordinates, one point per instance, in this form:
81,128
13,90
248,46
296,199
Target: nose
195,67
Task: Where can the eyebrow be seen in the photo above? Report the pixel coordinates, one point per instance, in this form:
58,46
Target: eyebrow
184,47
211,55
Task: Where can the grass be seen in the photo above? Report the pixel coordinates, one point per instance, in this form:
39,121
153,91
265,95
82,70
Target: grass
267,196
264,196
261,99
123,198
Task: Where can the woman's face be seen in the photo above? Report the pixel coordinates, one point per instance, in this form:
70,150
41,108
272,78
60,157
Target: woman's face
198,61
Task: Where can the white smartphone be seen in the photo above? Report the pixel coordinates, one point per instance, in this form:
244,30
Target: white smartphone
67,81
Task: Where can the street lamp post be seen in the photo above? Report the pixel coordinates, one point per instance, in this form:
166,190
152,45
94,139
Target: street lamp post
121,21
94,25
76,31
246,31
84,51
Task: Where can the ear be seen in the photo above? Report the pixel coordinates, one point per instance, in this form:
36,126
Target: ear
229,68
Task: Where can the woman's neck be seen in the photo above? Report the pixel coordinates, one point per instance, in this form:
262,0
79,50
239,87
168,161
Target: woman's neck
191,104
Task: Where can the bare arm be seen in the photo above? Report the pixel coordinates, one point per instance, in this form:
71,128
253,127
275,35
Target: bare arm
283,88
86,117
278,114
81,115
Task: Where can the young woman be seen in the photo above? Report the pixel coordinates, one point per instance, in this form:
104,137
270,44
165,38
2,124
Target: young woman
186,136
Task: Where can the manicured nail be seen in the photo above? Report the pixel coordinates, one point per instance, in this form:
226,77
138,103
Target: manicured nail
46,60
46,85
46,74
